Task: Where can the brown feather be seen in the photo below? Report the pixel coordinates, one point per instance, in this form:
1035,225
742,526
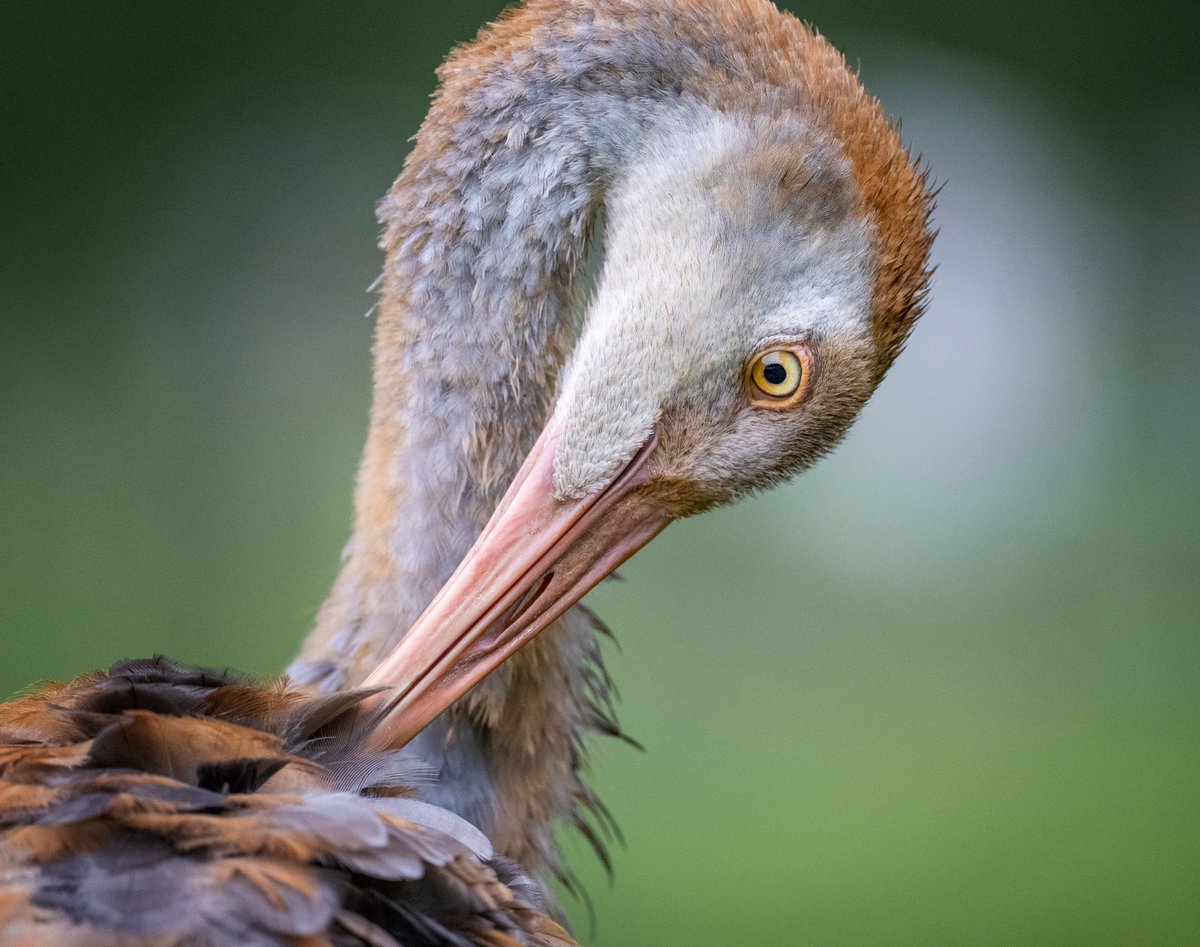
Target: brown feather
169,825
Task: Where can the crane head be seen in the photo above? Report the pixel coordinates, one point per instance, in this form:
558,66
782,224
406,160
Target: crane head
760,273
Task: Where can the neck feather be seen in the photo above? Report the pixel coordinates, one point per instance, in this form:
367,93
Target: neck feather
485,232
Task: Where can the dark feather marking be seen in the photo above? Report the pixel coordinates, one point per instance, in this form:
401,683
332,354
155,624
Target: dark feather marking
162,827
160,697
244,775
372,935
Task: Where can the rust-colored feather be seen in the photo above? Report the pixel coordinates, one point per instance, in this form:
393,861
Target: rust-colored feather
169,805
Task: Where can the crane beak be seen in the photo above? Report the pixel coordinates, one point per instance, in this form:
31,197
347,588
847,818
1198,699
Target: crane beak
536,557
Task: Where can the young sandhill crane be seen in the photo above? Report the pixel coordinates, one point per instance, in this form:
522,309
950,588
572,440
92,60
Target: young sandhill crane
765,255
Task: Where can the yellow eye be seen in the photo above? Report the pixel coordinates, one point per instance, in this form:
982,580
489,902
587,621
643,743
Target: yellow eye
779,375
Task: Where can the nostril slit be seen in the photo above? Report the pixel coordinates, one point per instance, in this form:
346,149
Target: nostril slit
532,594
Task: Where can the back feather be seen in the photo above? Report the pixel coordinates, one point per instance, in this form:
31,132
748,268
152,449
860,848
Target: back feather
160,804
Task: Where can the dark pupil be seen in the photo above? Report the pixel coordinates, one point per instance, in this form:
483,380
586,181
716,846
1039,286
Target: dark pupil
776,374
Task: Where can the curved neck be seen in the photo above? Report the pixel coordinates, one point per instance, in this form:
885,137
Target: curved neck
485,232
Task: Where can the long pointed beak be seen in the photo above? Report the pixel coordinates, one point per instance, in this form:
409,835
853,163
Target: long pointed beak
536,558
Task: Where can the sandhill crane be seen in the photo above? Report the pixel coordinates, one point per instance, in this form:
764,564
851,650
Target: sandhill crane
765,255
763,221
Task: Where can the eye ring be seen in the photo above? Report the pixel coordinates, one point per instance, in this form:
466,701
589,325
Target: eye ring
777,378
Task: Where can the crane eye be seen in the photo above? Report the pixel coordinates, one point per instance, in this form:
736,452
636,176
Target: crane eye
778,377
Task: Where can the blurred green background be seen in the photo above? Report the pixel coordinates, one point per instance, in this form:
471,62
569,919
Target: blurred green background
943,690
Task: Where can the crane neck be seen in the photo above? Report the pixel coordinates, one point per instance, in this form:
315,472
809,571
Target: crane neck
485,232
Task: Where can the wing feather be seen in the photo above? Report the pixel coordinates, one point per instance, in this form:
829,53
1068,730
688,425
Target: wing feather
160,804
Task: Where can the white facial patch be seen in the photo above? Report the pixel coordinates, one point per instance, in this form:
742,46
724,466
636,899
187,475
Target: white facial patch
703,264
